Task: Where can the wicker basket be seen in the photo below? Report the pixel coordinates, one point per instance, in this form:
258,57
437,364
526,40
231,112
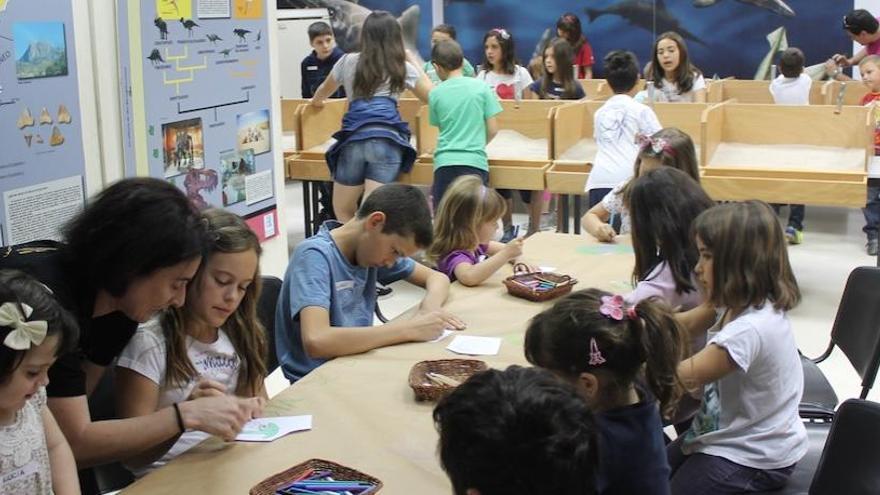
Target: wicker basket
457,369
269,485
518,284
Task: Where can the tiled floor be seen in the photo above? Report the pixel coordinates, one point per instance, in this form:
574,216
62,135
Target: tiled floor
833,246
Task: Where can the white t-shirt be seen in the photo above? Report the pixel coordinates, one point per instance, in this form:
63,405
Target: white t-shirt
791,90
346,67
613,204
145,354
668,92
615,126
507,86
751,416
24,457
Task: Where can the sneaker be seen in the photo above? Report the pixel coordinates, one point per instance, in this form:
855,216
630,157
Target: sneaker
510,233
871,247
793,235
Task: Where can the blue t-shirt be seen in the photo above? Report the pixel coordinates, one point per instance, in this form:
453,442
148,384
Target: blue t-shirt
556,91
320,275
632,454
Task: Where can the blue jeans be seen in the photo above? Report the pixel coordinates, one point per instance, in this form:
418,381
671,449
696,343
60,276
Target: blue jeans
796,215
872,209
445,176
376,159
704,474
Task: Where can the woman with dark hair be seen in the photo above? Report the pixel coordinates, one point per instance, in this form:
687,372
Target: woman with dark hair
373,147
128,255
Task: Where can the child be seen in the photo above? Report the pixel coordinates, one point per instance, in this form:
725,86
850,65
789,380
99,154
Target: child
616,124
373,146
328,296
870,70
668,147
313,70
463,231
664,204
558,83
214,345
672,72
445,32
508,80
34,330
602,345
317,65
792,87
748,435
569,27
464,109
516,432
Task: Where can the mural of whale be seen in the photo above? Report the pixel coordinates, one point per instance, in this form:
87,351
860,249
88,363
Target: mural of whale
641,13
777,6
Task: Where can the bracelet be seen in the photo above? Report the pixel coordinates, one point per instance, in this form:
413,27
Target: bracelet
179,417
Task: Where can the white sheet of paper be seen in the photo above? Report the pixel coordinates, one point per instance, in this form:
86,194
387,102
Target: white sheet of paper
269,429
446,333
475,346
547,268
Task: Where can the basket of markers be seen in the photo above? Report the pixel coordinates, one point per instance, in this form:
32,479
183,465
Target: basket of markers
537,285
318,476
430,380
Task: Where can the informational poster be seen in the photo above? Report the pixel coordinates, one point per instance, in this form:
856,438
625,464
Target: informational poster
42,162
196,99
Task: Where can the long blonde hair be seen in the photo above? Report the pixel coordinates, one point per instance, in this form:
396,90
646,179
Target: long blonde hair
466,206
226,233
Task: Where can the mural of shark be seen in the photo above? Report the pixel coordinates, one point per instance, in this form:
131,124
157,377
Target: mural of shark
777,6
348,17
642,13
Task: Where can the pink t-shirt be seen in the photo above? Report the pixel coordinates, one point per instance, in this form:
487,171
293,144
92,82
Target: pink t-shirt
873,47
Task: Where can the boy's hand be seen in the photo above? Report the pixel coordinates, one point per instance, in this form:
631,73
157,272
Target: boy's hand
429,325
605,233
513,249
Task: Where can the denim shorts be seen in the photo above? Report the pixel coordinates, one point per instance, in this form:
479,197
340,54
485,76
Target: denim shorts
376,159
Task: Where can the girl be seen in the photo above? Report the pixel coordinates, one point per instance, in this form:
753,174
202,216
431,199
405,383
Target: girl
34,329
616,125
557,82
569,27
668,147
601,345
212,346
509,80
672,72
748,435
373,146
463,230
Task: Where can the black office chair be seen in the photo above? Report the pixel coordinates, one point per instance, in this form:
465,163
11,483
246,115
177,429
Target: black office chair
856,332
266,306
843,456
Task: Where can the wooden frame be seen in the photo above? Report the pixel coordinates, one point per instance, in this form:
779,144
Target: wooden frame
754,91
823,183
290,125
852,95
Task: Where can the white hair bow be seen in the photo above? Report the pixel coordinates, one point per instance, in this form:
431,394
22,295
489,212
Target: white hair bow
24,333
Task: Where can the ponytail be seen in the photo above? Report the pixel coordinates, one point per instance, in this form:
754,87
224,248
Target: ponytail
660,340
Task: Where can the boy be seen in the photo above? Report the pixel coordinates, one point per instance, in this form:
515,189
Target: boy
329,292
316,66
445,32
517,432
869,67
864,29
464,110
313,70
792,87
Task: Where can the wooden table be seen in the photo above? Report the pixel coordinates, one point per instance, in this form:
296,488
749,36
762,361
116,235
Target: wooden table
365,415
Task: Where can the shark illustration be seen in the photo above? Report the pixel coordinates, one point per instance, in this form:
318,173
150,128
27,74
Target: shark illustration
776,6
348,17
641,13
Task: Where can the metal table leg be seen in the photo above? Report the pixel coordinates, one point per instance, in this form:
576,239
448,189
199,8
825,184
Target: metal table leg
307,208
563,202
577,214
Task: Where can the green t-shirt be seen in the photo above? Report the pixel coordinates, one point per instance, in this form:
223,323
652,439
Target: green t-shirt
460,107
466,68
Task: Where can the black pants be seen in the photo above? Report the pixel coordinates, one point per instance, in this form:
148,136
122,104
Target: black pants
445,176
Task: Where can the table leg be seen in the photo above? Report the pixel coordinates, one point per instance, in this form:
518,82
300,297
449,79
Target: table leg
577,213
563,203
316,205
307,208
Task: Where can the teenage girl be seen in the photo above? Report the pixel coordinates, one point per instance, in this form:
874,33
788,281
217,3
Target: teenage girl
675,78
464,227
213,346
373,146
603,345
748,435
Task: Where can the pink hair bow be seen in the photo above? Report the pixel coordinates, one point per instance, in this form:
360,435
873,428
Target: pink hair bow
657,145
612,307
502,32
